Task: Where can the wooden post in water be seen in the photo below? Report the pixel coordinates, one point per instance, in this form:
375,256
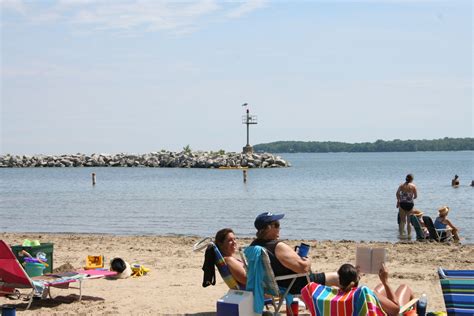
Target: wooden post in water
245,175
93,178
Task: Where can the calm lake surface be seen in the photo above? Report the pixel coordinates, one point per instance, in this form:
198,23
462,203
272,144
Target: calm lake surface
324,196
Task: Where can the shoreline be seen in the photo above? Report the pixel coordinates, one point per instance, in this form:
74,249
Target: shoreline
176,274
172,235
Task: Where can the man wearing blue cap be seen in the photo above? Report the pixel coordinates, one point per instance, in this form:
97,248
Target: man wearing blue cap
283,259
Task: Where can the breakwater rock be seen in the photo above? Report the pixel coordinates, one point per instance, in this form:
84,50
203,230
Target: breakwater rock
162,159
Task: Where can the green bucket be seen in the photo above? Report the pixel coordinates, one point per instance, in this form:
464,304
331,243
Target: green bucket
34,269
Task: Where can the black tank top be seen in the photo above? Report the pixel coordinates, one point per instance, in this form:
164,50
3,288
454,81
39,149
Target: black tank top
277,267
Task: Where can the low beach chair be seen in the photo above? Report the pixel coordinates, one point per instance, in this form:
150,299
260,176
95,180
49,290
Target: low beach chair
322,300
455,274
14,277
458,292
224,271
219,263
262,281
440,235
420,234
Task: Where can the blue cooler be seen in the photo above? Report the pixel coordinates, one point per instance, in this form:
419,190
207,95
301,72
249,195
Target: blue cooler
235,303
8,310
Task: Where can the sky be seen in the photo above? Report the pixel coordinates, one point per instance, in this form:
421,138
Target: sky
90,76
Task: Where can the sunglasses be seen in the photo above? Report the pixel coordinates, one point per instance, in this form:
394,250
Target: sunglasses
275,224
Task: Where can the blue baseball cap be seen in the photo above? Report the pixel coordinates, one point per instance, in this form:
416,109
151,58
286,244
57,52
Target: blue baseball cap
266,218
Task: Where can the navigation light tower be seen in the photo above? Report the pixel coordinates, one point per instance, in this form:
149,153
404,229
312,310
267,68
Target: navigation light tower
248,119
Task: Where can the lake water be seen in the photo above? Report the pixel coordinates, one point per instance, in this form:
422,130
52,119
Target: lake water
324,196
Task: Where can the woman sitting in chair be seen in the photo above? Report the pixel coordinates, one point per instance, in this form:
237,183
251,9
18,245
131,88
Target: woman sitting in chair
226,242
224,247
419,216
442,222
390,301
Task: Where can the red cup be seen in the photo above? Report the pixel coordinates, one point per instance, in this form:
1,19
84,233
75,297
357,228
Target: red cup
294,308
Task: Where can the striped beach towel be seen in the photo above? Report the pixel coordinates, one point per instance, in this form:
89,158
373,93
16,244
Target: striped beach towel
324,300
225,272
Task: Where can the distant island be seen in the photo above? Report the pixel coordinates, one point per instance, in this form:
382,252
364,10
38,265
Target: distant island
397,145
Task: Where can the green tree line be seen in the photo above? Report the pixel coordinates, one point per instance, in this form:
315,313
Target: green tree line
397,145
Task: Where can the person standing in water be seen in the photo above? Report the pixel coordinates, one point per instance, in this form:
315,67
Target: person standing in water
455,181
406,194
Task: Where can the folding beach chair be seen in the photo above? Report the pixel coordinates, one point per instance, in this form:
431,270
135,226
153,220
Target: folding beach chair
420,234
322,300
458,293
14,277
455,274
219,262
224,271
262,281
440,235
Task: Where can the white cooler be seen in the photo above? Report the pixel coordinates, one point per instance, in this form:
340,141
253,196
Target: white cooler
235,303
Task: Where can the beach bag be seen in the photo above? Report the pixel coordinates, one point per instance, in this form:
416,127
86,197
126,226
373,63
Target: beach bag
118,265
122,268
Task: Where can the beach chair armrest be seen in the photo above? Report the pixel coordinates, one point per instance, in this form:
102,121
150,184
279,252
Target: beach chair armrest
441,273
290,276
201,244
405,307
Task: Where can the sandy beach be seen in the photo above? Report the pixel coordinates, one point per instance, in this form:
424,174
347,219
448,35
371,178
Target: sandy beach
173,287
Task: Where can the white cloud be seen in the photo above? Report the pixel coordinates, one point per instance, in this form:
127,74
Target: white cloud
12,5
129,15
247,7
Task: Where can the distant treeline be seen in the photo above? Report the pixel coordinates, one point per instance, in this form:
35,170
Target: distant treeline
397,145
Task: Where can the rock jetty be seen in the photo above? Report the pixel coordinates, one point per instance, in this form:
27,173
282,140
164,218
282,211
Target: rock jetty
162,159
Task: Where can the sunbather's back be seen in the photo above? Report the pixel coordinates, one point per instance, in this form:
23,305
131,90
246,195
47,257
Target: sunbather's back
324,300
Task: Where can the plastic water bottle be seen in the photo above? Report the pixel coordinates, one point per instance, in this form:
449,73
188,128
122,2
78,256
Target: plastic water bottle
422,303
41,256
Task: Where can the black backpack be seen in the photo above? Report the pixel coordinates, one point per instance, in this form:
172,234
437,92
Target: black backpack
118,265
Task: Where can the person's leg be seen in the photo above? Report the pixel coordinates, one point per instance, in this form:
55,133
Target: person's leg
389,307
403,294
455,234
325,278
332,279
407,219
401,225
300,283
380,289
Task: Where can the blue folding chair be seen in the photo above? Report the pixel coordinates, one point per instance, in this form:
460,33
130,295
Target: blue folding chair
456,274
458,291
